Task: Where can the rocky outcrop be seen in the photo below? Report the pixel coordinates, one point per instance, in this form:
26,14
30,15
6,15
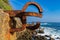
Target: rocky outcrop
25,35
52,38
4,26
30,35
39,38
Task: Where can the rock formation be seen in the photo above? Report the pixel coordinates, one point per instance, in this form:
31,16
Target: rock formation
4,26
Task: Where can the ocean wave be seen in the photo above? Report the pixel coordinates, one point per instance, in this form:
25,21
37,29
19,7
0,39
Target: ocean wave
54,33
44,23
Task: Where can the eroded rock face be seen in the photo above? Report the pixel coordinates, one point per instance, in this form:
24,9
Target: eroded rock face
18,22
25,35
4,26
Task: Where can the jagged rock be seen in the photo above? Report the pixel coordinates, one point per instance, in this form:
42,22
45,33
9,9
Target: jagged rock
25,35
52,38
4,25
40,30
39,38
18,22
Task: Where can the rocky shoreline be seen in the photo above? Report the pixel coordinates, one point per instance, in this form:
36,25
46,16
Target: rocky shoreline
33,35
30,35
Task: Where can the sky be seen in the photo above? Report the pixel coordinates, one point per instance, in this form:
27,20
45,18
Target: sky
51,9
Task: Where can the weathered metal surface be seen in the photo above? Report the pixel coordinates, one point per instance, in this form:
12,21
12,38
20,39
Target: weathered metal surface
34,27
22,15
31,14
13,13
32,3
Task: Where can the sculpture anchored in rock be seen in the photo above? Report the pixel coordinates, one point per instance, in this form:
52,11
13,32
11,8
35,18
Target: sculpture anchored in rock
22,15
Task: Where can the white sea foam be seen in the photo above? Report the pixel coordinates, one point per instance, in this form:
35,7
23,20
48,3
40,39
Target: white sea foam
54,33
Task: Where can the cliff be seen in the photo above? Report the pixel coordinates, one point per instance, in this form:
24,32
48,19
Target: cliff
4,25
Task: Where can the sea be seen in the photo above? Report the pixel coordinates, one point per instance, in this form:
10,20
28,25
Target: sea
51,28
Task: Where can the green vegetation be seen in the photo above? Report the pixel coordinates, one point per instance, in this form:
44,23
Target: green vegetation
4,4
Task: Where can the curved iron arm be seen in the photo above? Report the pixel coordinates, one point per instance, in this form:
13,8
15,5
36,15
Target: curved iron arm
23,16
32,3
31,14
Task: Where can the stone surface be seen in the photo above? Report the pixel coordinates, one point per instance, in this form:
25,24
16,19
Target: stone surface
4,26
25,35
39,38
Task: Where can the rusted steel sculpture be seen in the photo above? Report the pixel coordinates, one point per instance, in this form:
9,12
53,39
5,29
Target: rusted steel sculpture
22,15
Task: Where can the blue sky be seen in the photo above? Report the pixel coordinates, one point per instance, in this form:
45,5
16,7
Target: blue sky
51,9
